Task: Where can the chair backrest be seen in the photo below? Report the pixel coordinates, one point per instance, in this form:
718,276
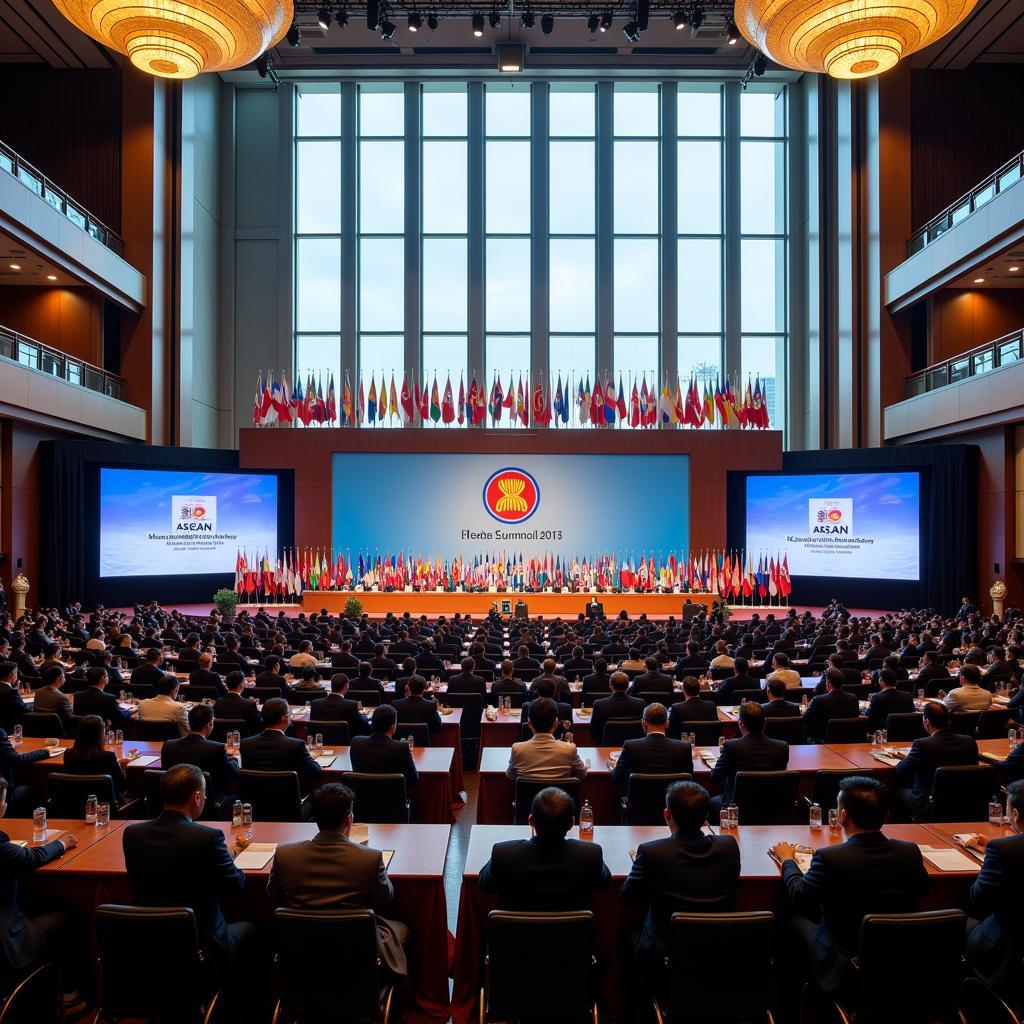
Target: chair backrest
136,983
523,946
380,798
222,726
309,945
35,997
516,700
151,779
618,730
274,795
962,792
742,696
197,693
994,723
68,793
847,730
369,698
826,786
904,727
142,691
965,723
527,789
789,729
472,705
261,694
655,697
157,730
335,734
895,947
39,725
419,731
697,984
644,803
705,734
766,798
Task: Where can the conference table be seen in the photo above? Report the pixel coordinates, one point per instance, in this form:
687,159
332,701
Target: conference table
434,795
760,888
94,873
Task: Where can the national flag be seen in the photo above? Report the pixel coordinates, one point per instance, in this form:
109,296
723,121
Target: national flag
332,400
479,403
785,585
265,399
597,404
679,409
435,402
371,402
279,400
360,404
510,395
583,400
406,401
559,403
708,409
620,401
538,402
286,412
634,407
464,412
448,403
256,415
609,402
667,405
645,402
720,405
773,578
423,402
382,399
497,402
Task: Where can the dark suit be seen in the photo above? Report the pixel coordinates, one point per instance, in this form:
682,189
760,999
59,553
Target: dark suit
10,760
1011,768
174,862
823,708
378,754
236,708
466,682
729,686
146,675
868,874
12,707
419,709
205,677
996,945
554,687
335,708
100,762
888,702
208,756
652,682
654,753
931,679
272,679
272,751
917,770
94,701
596,683
24,940
693,709
751,753
534,875
618,705
781,709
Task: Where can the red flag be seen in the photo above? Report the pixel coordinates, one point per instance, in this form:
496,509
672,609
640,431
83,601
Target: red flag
423,402
597,405
510,395
541,415
462,399
448,402
634,407
407,406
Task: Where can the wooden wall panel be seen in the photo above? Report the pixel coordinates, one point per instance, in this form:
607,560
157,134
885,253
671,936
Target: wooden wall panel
962,319
68,319
712,454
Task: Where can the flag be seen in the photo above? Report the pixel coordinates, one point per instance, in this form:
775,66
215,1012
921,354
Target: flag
393,408
265,401
609,402
407,406
634,407
382,400
538,402
361,404
559,403
679,410
785,586
371,402
479,403
597,404
583,400
279,401
645,401
423,402
708,409
497,402
332,401
620,401
256,414
520,406
464,412
435,402
666,403
510,395
286,412
448,403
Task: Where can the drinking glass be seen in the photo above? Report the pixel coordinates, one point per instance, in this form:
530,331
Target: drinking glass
318,744
995,813
833,820
16,737
102,815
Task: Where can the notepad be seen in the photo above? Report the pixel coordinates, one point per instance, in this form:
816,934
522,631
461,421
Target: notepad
387,855
144,760
709,757
802,855
325,760
255,856
948,859
972,851
19,842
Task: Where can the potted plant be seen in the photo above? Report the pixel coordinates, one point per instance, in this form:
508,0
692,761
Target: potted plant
226,601
353,608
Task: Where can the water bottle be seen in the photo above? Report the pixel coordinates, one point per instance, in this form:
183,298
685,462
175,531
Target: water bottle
815,818
110,738
246,815
91,803
804,701
39,824
587,819
236,814
1012,737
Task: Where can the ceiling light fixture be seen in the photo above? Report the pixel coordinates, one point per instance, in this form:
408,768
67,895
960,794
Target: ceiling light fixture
528,19
732,35
631,30
680,20
51,277
592,23
478,24
15,266
415,21
495,20
1013,270
979,280
846,40
606,21
511,57
547,24
323,18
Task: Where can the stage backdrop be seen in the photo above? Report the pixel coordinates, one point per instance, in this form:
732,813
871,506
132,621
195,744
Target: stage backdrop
470,504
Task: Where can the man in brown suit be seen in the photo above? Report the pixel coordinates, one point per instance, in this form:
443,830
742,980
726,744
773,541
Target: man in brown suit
331,872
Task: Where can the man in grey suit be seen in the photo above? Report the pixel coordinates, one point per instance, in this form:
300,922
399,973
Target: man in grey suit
542,756
331,872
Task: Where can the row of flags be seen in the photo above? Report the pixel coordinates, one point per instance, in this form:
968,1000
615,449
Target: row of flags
701,403
729,574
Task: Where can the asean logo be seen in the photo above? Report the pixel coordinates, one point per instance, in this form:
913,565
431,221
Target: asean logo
835,515
511,495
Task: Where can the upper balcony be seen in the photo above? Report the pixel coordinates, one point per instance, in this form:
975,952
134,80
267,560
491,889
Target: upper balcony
981,224
41,216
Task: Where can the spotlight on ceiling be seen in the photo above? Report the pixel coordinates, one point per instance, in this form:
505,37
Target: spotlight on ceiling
592,23
680,20
495,19
478,24
547,24
760,65
696,17
415,21
511,57
528,19
432,22
606,21
323,18
732,34
265,67
387,28
341,17
294,36
631,30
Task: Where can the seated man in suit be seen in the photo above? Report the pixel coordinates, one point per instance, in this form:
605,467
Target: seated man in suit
597,684
939,748
542,756
778,706
380,753
207,755
692,661
12,707
203,675
546,872
740,680
833,703
150,672
934,676
633,663
995,936
336,706
273,751
330,872
307,687
506,685
547,684
366,682
94,700
172,861
837,667
888,701
49,699
526,667
303,656
752,752
417,708
234,706
652,681
466,682
1011,767
654,752
970,695
577,664
617,705
693,708
866,874
164,707
272,675
687,871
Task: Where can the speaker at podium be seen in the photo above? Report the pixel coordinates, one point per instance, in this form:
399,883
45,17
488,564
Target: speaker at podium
690,608
522,611
594,609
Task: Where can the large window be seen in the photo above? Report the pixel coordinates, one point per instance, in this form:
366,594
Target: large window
532,221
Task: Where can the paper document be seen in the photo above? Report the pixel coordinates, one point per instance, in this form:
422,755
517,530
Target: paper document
255,856
387,855
948,859
19,842
325,760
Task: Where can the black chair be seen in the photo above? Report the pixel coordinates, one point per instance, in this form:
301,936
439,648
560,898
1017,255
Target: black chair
335,734
419,731
380,798
176,985
68,794
656,697
274,796
472,705
994,723
154,802
261,694
157,730
847,730
825,792
368,698
965,723
39,725
34,997
222,726
895,947
705,734
618,730
522,946
308,947
644,802
695,984
766,798
197,693
743,696
961,793
527,789
978,1003
142,691
904,727
789,729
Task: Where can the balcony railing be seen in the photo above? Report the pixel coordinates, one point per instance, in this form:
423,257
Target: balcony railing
35,180
34,354
983,359
1009,174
